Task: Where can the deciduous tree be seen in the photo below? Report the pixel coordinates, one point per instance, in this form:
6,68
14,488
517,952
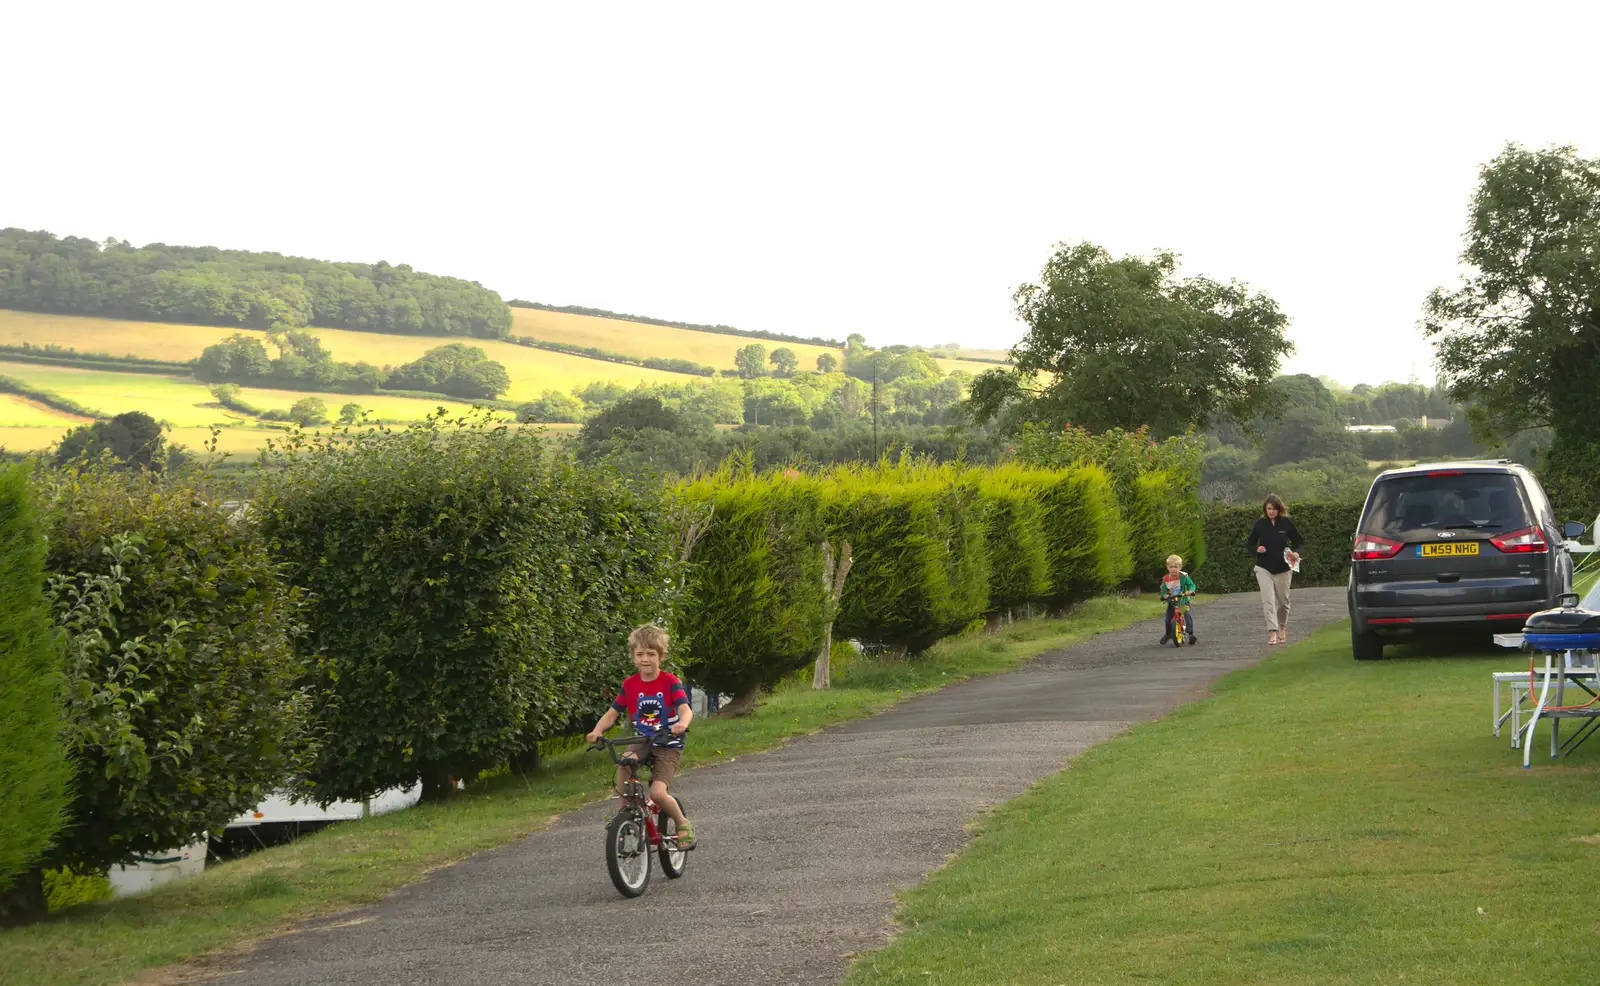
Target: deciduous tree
1124,342
1519,337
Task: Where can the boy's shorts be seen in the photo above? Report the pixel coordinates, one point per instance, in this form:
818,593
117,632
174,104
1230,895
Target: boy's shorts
663,763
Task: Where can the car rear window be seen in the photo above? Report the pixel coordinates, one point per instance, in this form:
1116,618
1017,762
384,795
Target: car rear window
1485,500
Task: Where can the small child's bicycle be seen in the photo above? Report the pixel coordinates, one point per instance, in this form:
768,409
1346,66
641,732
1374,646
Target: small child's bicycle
639,828
1180,620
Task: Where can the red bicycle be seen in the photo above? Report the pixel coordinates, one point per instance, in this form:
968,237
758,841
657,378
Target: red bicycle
640,828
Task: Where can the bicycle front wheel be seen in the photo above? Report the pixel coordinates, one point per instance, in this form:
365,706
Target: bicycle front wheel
628,852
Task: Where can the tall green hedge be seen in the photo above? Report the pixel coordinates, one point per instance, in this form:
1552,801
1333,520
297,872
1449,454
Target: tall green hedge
1163,521
921,564
1019,551
35,776
752,607
1328,528
1086,535
184,706
453,567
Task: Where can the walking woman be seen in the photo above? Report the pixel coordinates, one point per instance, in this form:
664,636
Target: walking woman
1276,543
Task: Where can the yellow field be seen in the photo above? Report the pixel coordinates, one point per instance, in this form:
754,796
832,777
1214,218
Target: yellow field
18,410
640,339
532,371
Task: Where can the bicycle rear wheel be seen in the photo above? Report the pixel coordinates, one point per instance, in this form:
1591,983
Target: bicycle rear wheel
628,852
673,859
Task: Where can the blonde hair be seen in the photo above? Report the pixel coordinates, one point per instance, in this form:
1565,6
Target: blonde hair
1175,558
648,637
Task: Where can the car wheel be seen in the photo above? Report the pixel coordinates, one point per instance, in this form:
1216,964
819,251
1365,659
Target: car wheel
1366,646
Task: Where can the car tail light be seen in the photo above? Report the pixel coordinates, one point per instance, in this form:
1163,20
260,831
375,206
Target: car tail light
1445,472
1528,539
1370,546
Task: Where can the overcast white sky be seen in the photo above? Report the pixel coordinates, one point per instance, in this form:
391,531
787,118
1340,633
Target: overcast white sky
892,169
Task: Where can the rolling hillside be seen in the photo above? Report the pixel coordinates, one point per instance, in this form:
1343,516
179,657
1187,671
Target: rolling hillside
640,339
190,408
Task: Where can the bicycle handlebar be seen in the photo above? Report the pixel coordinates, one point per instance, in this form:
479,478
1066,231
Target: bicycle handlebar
610,745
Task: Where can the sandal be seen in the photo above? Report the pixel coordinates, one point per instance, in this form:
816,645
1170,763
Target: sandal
1272,638
686,839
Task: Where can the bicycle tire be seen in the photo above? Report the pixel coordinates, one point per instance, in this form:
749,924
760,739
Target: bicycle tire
673,861
626,839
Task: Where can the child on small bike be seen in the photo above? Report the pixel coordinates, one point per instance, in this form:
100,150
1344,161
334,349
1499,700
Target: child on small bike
658,706
1177,587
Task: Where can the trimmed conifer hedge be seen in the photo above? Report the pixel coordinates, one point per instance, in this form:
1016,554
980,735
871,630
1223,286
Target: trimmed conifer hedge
921,568
1019,550
1163,521
1085,533
35,775
1328,528
752,606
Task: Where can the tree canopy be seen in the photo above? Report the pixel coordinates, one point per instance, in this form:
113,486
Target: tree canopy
133,438
457,369
207,286
1519,337
1125,342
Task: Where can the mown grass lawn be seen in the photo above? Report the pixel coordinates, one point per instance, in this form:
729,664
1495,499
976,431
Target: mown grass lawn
355,863
1317,821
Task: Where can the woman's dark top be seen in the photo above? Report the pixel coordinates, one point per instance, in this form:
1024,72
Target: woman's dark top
1276,535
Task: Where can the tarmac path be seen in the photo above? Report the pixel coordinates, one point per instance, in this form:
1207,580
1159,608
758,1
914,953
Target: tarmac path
802,847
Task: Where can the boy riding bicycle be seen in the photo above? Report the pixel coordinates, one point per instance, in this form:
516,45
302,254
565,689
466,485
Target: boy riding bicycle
1177,588
658,706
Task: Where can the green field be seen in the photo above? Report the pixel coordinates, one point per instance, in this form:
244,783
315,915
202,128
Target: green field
182,402
1319,821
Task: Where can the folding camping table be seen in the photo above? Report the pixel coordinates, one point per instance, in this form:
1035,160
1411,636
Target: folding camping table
1575,667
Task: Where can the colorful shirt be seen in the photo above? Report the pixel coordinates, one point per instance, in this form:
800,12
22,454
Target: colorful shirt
1171,587
652,705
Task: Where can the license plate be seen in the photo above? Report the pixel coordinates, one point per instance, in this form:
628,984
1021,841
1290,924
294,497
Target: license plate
1447,549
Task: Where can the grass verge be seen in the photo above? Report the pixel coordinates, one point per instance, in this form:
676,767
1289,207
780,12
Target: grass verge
356,863
1316,821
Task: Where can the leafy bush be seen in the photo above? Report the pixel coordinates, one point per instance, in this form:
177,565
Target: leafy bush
1019,552
451,569
227,394
1328,529
457,369
551,407
620,554
1125,455
132,438
752,608
35,775
1085,534
183,699
921,568
1162,522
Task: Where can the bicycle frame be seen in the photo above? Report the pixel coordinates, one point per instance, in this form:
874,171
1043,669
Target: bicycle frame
634,793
